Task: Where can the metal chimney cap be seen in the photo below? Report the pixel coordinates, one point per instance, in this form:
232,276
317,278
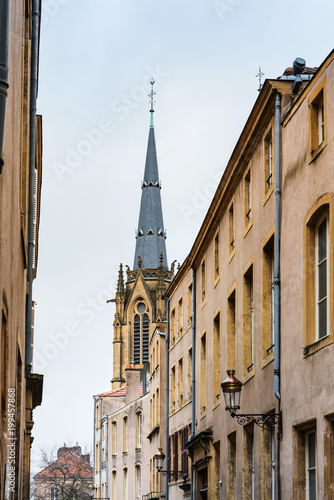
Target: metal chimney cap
298,65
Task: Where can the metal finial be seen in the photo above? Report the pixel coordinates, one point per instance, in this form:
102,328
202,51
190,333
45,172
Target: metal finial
259,75
151,96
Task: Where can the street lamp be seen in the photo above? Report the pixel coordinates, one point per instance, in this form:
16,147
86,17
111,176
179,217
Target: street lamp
91,490
232,391
159,463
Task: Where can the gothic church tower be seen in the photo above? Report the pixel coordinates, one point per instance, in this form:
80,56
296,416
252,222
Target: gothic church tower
140,301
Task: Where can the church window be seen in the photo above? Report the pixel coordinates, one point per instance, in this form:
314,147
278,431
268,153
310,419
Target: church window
141,335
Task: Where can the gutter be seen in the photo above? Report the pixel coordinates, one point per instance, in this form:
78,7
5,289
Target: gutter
277,270
32,163
4,55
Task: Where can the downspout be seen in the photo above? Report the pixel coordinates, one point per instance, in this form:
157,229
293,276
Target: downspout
167,392
94,442
4,55
106,456
277,269
100,469
193,381
32,162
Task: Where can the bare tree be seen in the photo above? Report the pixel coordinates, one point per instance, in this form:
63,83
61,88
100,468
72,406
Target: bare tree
65,476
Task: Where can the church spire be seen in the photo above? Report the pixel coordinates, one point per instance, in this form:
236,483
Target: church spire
151,233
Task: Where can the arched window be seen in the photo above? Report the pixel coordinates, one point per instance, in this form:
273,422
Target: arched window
141,325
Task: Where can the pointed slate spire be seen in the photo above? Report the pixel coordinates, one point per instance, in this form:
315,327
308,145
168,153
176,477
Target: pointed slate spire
150,233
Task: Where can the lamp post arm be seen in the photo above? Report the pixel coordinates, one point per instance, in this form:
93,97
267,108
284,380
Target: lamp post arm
267,421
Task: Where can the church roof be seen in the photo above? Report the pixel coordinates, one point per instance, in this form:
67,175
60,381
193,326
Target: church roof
150,233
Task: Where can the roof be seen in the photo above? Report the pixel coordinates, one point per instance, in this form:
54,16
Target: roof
77,467
120,392
150,239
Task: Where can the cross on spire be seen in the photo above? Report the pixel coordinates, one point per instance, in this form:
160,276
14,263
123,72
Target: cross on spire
259,75
151,96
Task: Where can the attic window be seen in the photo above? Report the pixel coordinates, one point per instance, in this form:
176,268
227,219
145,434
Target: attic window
160,232
150,231
66,466
151,184
140,232
144,184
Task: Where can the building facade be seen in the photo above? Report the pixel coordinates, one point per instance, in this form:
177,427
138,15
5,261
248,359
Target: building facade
20,187
129,423
257,290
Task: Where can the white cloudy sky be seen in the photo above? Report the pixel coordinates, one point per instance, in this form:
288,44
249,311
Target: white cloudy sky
95,62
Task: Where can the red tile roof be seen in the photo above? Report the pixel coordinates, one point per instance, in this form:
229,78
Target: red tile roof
121,392
77,467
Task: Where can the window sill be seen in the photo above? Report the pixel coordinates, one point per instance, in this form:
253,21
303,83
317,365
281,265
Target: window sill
248,376
317,151
248,228
216,403
318,345
268,194
217,279
232,254
268,359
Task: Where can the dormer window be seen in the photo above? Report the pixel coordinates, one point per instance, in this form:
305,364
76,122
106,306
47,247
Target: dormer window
160,232
140,232
150,231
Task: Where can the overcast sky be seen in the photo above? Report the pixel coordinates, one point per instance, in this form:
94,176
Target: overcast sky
96,60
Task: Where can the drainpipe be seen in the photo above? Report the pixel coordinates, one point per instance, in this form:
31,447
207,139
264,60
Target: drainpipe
94,441
4,53
167,393
32,161
100,469
277,286
193,381
106,456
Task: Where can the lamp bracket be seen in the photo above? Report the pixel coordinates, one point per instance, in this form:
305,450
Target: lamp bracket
267,421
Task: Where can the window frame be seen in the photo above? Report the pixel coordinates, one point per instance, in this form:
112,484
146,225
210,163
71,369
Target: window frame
317,97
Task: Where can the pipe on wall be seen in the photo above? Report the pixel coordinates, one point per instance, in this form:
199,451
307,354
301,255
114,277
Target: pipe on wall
32,163
4,55
193,381
277,271
167,392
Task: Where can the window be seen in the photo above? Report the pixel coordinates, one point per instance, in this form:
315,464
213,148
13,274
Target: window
329,454
317,120
322,286
190,367
311,466
318,257
175,455
114,438
172,325
157,410
216,389
184,452
217,483
231,479
248,198
125,484
268,163
305,461
203,281
248,323
190,304
180,317
139,429
268,464
180,382
267,302
203,368
231,331
138,482
172,386
231,231
141,336
216,258
125,434
54,494
113,485
248,463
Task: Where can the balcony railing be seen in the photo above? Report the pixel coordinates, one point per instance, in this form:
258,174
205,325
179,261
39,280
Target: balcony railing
153,495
